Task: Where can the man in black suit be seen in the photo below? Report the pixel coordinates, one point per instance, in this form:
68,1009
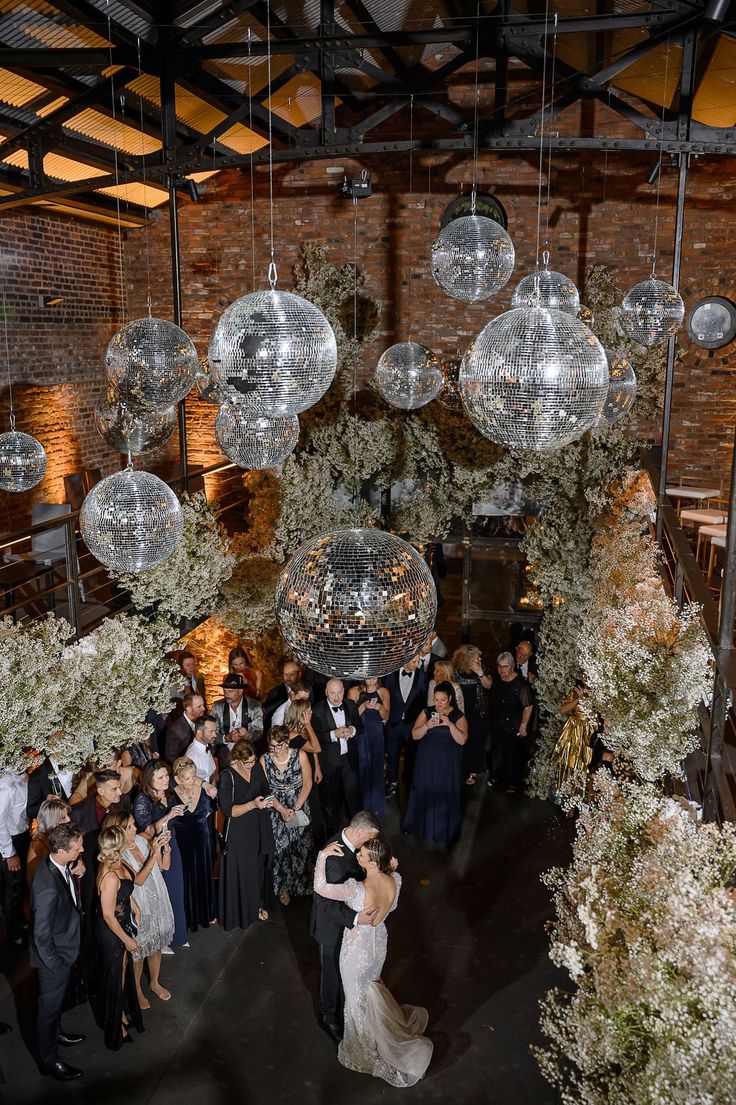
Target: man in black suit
336,723
48,778
526,661
408,690
88,816
180,731
330,919
291,673
54,946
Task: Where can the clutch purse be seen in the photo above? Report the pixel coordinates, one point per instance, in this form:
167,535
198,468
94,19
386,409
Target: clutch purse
298,821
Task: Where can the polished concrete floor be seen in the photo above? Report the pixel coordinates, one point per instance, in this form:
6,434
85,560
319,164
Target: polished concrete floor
467,941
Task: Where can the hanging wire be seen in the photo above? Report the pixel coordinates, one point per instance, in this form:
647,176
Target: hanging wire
476,99
252,178
661,151
115,156
149,298
541,130
272,273
410,304
549,156
7,363
605,159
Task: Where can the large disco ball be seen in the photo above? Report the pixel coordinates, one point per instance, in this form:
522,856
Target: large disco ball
534,378
151,363
472,258
356,603
277,350
546,288
131,521
652,312
129,431
22,461
408,375
621,389
253,442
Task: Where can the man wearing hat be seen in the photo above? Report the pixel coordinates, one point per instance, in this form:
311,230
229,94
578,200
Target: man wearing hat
236,712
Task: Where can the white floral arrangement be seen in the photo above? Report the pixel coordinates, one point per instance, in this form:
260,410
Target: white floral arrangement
113,677
646,930
248,608
32,695
188,584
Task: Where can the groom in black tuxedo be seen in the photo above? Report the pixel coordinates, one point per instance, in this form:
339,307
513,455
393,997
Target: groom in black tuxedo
330,919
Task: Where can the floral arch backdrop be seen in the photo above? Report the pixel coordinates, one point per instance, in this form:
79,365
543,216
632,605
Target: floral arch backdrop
646,919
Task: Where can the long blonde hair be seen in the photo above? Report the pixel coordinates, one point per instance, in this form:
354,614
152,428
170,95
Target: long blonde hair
462,658
295,713
111,843
444,672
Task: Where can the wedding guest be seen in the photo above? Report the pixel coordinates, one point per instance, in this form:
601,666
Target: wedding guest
200,750
299,693
525,660
407,690
246,877
194,837
239,663
115,931
289,779
237,711
180,731
54,946
302,736
511,709
88,816
147,860
432,650
445,673
50,777
193,682
155,810
474,679
52,812
14,842
441,731
336,723
291,673
374,705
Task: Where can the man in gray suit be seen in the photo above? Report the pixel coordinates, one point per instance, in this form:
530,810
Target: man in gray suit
235,711
54,945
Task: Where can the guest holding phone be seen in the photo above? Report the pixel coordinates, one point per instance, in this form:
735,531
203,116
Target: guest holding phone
434,800
475,680
246,875
194,837
155,810
116,939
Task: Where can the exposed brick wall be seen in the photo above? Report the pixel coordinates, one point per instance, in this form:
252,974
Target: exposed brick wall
210,642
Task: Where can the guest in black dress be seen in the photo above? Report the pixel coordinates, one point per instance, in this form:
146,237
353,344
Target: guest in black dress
434,800
474,679
194,836
246,869
511,710
115,932
155,809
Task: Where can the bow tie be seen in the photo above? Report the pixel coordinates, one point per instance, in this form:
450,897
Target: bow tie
335,709
408,674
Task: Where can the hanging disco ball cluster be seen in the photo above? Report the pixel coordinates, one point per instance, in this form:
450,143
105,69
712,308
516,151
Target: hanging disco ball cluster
22,461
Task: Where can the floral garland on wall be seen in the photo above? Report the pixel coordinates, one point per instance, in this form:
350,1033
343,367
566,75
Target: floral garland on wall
31,698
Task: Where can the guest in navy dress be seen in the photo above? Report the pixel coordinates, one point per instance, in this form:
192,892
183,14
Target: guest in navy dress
194,837
374,704
154,810
434,800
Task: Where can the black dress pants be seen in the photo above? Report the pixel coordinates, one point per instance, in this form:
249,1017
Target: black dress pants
51,989
341,792
330,987
14,887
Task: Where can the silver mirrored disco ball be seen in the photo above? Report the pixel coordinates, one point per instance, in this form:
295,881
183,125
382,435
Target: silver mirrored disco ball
211,388
131,521
472,258
253,442
151,363
621,389
652,312
133,432
534,378
586,315
356,602
277,350
546,288
408,375
22,461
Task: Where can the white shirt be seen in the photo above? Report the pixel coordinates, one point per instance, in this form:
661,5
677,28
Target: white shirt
13,802
203,760
67,877
279,714
235,713
524,668
406,682
64,777
339,715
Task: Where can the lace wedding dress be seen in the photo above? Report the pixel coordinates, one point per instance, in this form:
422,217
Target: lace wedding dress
380,1036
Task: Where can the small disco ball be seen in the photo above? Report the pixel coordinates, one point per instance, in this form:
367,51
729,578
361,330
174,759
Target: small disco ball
277,350
131,521
210,388
546,288
652,312
472,258
408,375
22,461
586,315
621,389
356,603
253,442
133,432
151,363
534,378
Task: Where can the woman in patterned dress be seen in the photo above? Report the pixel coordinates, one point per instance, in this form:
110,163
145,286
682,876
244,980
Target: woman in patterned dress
289,777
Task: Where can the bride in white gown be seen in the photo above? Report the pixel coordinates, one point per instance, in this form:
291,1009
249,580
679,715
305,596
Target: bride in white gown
380,1037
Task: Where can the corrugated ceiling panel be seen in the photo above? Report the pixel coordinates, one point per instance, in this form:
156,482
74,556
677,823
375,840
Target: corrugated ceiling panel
715,102
112,133
49,108
299,101
17,91
142,195
654,77
57,167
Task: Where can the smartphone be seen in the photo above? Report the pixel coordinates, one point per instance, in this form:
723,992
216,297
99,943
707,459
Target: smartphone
435,715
